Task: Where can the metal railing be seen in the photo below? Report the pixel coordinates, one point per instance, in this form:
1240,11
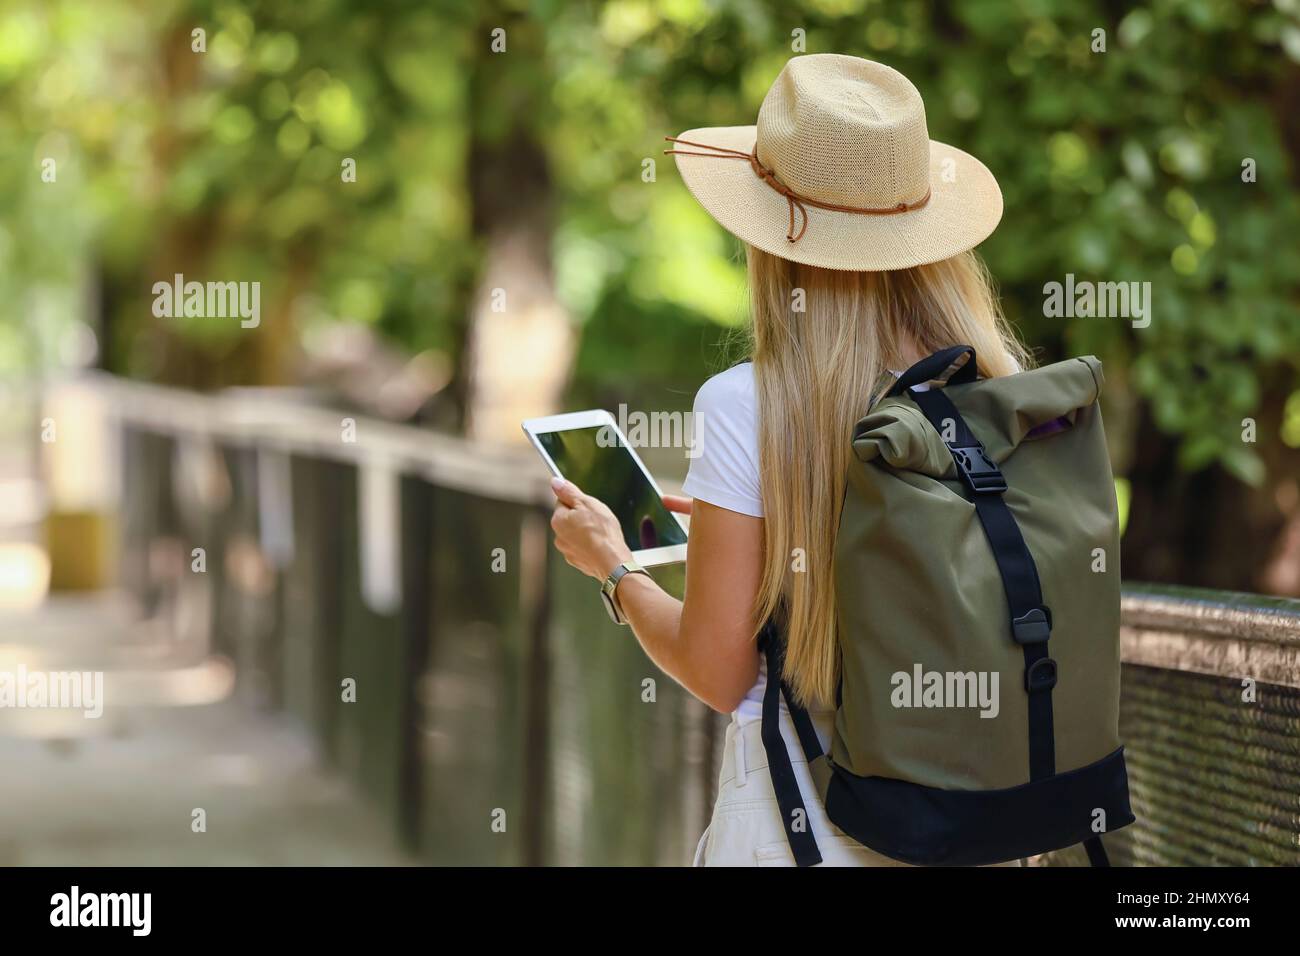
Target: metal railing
496,718
1218,633
1210,717
500,718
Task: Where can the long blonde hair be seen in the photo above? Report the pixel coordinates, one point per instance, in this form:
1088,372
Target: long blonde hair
815,371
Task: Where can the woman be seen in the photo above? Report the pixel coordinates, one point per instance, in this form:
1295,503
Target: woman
858,230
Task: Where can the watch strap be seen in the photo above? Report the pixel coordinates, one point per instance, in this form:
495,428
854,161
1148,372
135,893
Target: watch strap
610,587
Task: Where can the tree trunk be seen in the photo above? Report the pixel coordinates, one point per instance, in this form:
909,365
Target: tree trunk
519,343
1207,528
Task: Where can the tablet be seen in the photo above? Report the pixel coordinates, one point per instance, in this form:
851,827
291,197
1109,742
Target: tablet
589,450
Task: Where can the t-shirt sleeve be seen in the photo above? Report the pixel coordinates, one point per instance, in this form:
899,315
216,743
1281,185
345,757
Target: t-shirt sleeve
724,469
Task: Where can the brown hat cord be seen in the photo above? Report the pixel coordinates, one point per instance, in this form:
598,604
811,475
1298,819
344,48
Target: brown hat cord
792,198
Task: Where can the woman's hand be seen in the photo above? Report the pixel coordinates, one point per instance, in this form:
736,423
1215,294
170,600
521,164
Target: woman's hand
586,531
707,644
679,503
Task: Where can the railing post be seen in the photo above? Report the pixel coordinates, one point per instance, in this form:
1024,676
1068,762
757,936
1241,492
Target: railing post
535,607
418,623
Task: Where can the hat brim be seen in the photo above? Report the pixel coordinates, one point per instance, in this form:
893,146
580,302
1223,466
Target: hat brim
964,208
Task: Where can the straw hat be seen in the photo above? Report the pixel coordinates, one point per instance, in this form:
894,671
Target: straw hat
840,172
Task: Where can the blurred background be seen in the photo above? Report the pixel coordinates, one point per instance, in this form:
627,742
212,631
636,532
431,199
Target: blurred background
458,216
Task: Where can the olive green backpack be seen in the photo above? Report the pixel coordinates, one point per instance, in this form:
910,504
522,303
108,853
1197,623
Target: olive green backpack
977,567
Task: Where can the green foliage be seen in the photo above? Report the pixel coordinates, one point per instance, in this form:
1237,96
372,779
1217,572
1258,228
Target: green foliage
1115,166
230,160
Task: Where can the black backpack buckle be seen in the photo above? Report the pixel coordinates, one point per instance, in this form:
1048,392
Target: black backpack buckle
977,470
1041,675
1032,627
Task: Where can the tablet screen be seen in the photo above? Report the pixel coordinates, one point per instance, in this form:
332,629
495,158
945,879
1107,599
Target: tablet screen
608,472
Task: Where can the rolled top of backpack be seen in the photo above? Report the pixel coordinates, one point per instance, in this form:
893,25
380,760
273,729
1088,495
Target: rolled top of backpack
1003,411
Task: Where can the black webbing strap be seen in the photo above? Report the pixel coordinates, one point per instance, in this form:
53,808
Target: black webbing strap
819,764
1031,621
1096,852
803,726
934,366
794,815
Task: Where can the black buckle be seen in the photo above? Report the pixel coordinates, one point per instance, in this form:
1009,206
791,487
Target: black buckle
1041,675
977,470
1032,627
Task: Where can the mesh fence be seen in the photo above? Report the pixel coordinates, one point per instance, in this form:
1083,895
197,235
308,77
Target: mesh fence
1214,777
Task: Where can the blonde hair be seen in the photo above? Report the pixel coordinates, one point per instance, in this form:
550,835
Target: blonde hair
815,371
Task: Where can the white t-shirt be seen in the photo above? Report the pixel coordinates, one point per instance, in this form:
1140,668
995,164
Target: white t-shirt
725,429
725,471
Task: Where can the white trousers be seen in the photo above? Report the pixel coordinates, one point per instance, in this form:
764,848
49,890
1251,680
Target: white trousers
746,827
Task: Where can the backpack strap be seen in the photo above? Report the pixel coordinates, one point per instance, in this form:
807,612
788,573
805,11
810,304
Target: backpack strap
1031,620
931,368
794,815
1096,852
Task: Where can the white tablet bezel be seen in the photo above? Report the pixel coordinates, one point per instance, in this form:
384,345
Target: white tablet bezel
599,418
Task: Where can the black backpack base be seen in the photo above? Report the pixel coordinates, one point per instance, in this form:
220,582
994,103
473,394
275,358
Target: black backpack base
928,826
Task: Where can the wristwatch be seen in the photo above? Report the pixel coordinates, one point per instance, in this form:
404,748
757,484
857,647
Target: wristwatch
607,590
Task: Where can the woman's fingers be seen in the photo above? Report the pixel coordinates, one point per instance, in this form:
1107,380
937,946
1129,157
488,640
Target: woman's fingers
679,503
567,492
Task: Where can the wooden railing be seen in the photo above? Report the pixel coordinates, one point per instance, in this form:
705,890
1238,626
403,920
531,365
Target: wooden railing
500,718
